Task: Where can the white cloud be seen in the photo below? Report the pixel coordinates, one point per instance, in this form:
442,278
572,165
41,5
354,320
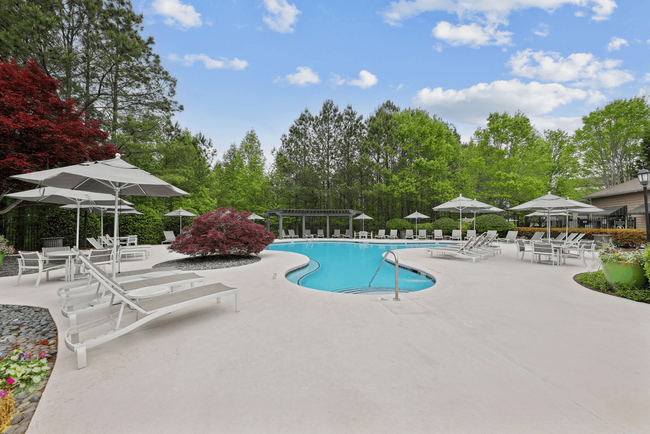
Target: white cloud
337,80
177,13
399,87
581,69
209,63
471,34
438,47
556,123
541,30
282,16
616,44
366,80
474,104
303,77
401,10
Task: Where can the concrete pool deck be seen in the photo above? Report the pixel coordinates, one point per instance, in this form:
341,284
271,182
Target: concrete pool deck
499,346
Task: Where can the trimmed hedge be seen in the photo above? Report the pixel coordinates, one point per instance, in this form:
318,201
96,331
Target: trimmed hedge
399,224
622,237
148,226
492,222
446,225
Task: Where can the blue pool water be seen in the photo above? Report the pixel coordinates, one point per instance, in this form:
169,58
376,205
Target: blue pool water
348,267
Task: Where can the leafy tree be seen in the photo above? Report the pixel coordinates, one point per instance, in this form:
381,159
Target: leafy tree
39,130
94,48
223,232
241,177
611,139
564,166
507,160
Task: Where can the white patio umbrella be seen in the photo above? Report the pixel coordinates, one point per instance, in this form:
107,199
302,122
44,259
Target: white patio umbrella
75,198
254,216
416,215
588,209
114,176
180,213
363,217
548,204
459,205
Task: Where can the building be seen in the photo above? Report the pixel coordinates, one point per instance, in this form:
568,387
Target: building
623,205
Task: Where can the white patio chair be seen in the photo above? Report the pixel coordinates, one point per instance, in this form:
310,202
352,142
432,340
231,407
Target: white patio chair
347,234
471,233
381,234
545,250
422,234
409,234
132,240
510,236
35,261
456,235
169,237
522,248
337,233
151,302
292,234
321,234
437,234
393,234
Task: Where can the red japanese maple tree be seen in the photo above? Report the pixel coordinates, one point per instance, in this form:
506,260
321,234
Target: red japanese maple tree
39,130
222,232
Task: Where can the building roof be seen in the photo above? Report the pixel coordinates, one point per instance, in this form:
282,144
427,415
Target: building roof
631,186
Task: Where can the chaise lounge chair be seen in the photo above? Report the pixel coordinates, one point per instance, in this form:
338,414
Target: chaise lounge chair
437,234
381,234
145,302
409,235
510,236
337,233
393,234
456,235
462,251
422,234
292,234
321,234
169,237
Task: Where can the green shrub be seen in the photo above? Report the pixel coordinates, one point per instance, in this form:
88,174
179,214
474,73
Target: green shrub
148,226
594,280
399,224
492,222
621,237
428,226
446,225
635,293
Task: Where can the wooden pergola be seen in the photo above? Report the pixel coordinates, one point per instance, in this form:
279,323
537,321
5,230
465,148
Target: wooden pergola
280,213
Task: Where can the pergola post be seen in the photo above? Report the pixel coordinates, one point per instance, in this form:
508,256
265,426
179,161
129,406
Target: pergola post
328,226
303,225
280,230
350,226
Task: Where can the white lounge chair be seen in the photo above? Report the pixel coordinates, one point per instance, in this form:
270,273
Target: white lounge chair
292,234
409,234
393,234
347,234
145,302
471,233
169,237
437,234
510,236
35,261
381,234
320,234
422,234
537,236
307,234
461,251
456,235
337,233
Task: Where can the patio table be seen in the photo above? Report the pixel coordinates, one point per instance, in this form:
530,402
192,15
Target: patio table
68,255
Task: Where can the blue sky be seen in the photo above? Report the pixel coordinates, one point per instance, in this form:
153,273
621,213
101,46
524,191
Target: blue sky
258,64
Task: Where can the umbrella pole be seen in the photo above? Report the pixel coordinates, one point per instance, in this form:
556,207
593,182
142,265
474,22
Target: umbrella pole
101,223
475,220
460,224
180,224
78,212
116,234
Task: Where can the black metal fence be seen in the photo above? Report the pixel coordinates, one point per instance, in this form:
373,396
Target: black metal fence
22,236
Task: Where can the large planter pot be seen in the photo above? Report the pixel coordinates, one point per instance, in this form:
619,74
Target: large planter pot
623,272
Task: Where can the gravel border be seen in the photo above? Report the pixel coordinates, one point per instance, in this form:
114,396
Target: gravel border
211,262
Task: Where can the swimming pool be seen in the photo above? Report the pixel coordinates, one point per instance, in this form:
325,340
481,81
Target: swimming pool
349,267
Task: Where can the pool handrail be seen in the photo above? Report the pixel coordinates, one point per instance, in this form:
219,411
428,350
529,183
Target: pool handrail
385,255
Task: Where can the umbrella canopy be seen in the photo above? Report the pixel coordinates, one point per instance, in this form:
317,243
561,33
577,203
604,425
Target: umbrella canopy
255,217
363,217
416,215
180,213
103,209
113,176
75,198
461,204
583,209
548,204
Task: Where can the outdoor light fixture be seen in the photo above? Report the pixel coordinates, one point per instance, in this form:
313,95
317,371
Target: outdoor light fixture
644,177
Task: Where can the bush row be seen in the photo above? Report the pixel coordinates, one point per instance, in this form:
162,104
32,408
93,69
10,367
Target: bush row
488,222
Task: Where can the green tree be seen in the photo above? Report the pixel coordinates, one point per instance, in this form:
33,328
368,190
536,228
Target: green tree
611,137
